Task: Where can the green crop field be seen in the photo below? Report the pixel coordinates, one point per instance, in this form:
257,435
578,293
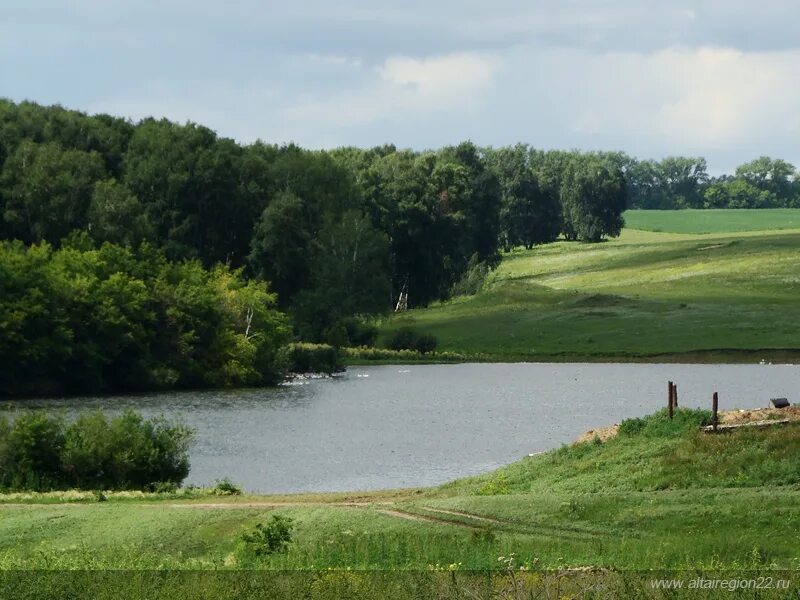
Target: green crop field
708,297
713,221
663,497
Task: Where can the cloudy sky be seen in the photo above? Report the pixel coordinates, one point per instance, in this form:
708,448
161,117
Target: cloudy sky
718,78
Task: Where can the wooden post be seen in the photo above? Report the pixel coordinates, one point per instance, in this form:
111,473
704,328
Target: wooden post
715,411
669,400
675,395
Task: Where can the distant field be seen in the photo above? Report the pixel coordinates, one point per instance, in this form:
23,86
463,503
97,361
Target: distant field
713,221
716,297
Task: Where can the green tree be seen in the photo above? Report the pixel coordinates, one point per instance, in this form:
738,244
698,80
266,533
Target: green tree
279,250
682,178
768,175
116,215
48,190
530,213
349,276
593,198
188,181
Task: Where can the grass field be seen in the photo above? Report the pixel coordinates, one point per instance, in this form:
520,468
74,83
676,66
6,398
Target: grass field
722,296
713,221
665,497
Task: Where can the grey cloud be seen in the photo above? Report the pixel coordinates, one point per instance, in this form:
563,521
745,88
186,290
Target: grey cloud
571,73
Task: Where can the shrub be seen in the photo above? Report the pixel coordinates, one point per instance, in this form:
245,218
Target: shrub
225,487
164,487
473,279
498,485
314,358
426,343
407,339
271,538
363,353
360,333
403,339
44,453
660,425
35,443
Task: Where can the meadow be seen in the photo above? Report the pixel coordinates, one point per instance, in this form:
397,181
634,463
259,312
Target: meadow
721,220
724,296
596,519
662,497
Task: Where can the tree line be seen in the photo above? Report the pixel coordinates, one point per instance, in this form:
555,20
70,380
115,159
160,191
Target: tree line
156,216
335,233
683,182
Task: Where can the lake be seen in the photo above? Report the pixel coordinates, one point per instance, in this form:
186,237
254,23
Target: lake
400,426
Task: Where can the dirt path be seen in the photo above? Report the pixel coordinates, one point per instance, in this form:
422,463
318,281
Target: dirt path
235,505
401,514
199,505
458,513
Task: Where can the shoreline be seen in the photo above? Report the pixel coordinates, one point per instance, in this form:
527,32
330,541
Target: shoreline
206,498
718,356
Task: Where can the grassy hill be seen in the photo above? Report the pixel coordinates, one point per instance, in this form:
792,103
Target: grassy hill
717,296
661,495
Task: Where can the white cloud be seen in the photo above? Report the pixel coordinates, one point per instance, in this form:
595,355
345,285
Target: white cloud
723,95
702,97
400,88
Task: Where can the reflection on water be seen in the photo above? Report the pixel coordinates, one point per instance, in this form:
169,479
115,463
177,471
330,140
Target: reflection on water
396,426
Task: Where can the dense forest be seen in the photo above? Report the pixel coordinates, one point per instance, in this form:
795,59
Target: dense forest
154,254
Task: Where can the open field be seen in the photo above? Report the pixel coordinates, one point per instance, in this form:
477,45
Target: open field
723,220
668,296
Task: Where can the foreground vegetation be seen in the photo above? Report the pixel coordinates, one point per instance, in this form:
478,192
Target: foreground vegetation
662,495
42,452
646,296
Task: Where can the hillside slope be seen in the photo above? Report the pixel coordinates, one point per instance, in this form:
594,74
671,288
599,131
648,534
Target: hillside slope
722,296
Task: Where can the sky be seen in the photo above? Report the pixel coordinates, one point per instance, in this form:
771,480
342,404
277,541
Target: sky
713,78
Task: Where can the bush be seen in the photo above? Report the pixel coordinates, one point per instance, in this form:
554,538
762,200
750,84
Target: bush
313,358
225,487
403,339
426,343
363,353
40,452
407,339
34,445
473,279
271,538
498,485
660,425
360,333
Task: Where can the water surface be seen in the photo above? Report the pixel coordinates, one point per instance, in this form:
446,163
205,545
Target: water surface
397,426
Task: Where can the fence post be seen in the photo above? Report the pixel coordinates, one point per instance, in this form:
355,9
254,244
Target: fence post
715,411
675,395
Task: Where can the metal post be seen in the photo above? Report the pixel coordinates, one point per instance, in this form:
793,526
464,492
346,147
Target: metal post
715,411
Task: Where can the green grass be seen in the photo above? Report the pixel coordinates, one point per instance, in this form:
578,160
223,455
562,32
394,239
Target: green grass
660,500
664,497
711,297
713,221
